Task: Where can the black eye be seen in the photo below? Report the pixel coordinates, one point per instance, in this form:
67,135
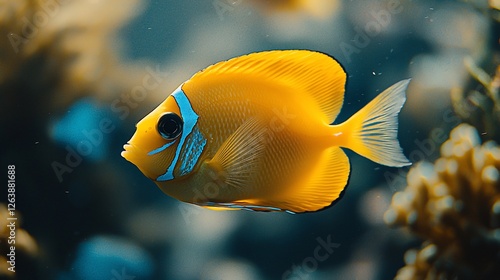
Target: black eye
169,126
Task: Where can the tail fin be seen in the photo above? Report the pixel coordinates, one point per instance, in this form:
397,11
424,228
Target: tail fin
372,132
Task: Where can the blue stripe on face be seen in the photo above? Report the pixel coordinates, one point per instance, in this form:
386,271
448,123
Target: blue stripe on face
190,119
160,149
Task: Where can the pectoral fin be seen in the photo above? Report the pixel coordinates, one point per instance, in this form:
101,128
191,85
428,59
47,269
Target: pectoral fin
237,160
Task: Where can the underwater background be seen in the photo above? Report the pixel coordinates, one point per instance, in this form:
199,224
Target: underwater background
77,75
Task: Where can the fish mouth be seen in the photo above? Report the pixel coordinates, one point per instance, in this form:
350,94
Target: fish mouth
134,155
127,150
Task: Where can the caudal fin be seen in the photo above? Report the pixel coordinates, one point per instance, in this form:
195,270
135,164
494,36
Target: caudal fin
372,132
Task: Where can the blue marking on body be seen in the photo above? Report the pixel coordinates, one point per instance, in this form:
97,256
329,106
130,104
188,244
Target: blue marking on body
160,149
247,207
192,151
190,119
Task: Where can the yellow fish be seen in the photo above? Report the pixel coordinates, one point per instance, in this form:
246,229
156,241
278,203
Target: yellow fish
255,132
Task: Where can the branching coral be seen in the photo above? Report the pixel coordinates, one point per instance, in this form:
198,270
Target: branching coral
454,204
480,106
478,102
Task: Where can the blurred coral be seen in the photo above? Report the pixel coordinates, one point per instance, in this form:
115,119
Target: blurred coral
58,51
24,244
478,101
440,70
454,205
480,106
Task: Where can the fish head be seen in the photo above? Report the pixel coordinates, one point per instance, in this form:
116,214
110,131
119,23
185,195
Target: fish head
152,147
167,143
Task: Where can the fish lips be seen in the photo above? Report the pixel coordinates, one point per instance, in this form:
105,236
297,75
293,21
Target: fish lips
126,150
135,155
130,153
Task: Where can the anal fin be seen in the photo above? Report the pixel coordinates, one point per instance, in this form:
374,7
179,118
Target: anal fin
320,188
241,205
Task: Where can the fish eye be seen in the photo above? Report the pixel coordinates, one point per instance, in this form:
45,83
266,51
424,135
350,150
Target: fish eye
169,126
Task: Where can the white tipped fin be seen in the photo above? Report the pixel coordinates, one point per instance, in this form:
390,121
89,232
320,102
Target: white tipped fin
373,130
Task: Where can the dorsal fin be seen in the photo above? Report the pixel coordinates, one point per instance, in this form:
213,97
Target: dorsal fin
311,73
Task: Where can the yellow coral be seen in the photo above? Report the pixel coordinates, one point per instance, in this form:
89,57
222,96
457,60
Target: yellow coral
454,204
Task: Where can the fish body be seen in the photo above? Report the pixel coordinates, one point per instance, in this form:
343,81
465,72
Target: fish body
255,132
